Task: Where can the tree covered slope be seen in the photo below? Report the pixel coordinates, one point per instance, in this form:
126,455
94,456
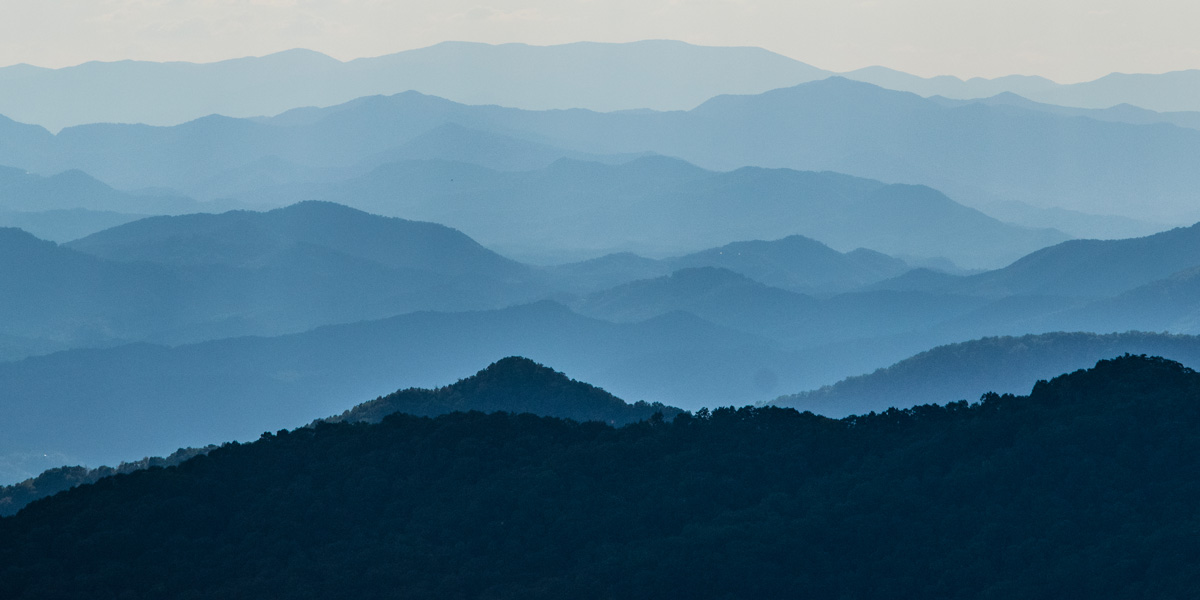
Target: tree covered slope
1084,488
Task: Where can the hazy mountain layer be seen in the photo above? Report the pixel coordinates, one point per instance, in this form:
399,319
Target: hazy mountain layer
194,277
1000,364
658,74
1078,268
28,192
653,74
77,405
664,206
794,263
1120,113
797,320
1167,92
1074,223
976,153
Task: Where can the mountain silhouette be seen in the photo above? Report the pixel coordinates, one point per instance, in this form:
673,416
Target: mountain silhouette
516,385
202,276
516,506
103,406
795,320
1000,364
658,205
657,74
1163,92
977,154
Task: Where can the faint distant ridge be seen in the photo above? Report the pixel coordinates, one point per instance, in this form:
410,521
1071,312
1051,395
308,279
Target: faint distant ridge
976,154
242,238
1164,92
649,74
655,74
1076,268
1120,113
515,385
797,263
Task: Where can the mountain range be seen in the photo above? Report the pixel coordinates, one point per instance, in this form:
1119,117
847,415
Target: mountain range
653,74
194,277
755,502
998,364
1080,268
513,384
103,406
650,74
658,205
977,153
1175,91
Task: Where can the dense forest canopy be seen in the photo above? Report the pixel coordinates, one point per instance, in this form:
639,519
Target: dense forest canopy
1084,488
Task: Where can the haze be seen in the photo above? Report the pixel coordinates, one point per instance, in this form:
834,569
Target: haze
1068,41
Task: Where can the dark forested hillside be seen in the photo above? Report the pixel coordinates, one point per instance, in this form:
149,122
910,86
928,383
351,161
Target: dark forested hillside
1084,488
515,385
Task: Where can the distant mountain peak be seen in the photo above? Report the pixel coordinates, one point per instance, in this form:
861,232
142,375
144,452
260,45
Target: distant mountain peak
517,369
512,384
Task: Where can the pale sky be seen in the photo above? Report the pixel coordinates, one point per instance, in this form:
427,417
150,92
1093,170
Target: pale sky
1065,40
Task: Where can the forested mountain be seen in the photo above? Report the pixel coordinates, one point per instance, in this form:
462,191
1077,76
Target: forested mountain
76,405
663,206
1089,479
513,384
52,481
1001,364
976,153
